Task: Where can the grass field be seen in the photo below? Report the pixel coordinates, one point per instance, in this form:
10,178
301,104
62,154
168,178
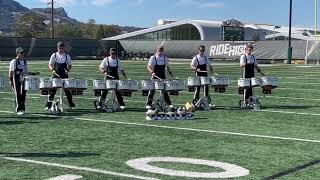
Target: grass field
281,141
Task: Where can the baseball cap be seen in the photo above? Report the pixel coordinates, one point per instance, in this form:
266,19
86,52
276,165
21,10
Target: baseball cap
113,49
60,44
19,50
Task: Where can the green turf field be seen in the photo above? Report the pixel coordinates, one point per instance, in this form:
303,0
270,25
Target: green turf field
282,141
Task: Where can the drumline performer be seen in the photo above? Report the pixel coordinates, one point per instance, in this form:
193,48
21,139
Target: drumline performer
249,63
17,70
60,65
110,67
157,66
200,64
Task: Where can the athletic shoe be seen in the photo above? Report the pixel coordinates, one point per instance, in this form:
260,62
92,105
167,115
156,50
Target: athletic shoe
148,107
46,108
171,106
122,107
20,113
212,105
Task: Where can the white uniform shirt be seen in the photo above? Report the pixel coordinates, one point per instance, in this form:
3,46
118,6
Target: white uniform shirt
22,65
60,58
112,63
202,60
250,59
161,60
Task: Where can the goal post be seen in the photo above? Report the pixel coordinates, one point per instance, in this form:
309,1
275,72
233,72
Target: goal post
312,53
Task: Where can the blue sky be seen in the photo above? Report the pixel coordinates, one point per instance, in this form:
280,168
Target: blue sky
145,13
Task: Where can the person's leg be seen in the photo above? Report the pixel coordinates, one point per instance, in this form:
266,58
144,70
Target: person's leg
167,98
18,96
69,98
23,99
150,97
120,98
248,93
207,93
51,98
197,93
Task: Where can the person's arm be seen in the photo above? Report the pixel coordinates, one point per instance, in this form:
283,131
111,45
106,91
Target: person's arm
242,61
193,64
168,67
150,66
51,63
259,70
11,72
69,64
102,67
120,68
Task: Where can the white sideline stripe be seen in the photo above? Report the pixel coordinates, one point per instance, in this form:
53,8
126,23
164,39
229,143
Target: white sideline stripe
202,130
196,130
77,168
289,112
66,177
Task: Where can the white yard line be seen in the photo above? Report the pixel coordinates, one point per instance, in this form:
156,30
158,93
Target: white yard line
198,130
100,171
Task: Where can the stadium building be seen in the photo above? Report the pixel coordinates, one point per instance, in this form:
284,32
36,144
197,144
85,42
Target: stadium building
230,30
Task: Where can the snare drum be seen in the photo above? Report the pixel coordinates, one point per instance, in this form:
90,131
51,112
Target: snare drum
123,85
216,81
147,85
255,82
57,83
179,84
111,84
99,85
70,83
269,82
159,85
244,82
133,85
193,82
204,81
31,83
45,83
81,84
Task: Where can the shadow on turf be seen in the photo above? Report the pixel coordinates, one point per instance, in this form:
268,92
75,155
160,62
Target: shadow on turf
8,123
287,107
292,170
54,155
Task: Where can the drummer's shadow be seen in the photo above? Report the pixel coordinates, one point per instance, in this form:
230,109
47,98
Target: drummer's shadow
287,107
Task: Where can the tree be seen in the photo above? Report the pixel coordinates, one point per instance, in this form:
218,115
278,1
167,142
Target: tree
90,28
68,31
111,30
30,25
100,32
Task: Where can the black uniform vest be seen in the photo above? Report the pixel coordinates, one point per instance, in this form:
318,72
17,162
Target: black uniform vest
113,71
202,67
249,68
160,70
60,68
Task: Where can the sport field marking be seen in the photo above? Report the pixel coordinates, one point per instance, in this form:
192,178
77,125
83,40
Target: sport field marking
77,168
66,177
181,128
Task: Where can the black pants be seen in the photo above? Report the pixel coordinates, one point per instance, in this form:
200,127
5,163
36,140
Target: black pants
197,93
151,95
118,95
248,93
68,94
20,96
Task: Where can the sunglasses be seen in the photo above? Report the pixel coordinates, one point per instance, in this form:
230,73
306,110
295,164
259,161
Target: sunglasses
201,50
21,52
113,53
160,49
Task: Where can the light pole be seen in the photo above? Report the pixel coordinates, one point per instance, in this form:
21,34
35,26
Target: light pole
315,17
289,58
52,20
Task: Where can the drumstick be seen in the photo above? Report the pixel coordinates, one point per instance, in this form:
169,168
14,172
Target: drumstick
55,73
110,76
202,71
157,77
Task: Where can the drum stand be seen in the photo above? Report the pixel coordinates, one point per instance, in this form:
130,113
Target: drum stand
251,102
203,102
109,104
160,103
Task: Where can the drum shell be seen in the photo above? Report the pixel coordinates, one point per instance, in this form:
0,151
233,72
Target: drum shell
204,81
255,82
81,84
133,85
45,83
57,82
123,85
147,85
70,83
193,82
111,84
31,83
171,85
266,81
99,84
159,85
244,82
